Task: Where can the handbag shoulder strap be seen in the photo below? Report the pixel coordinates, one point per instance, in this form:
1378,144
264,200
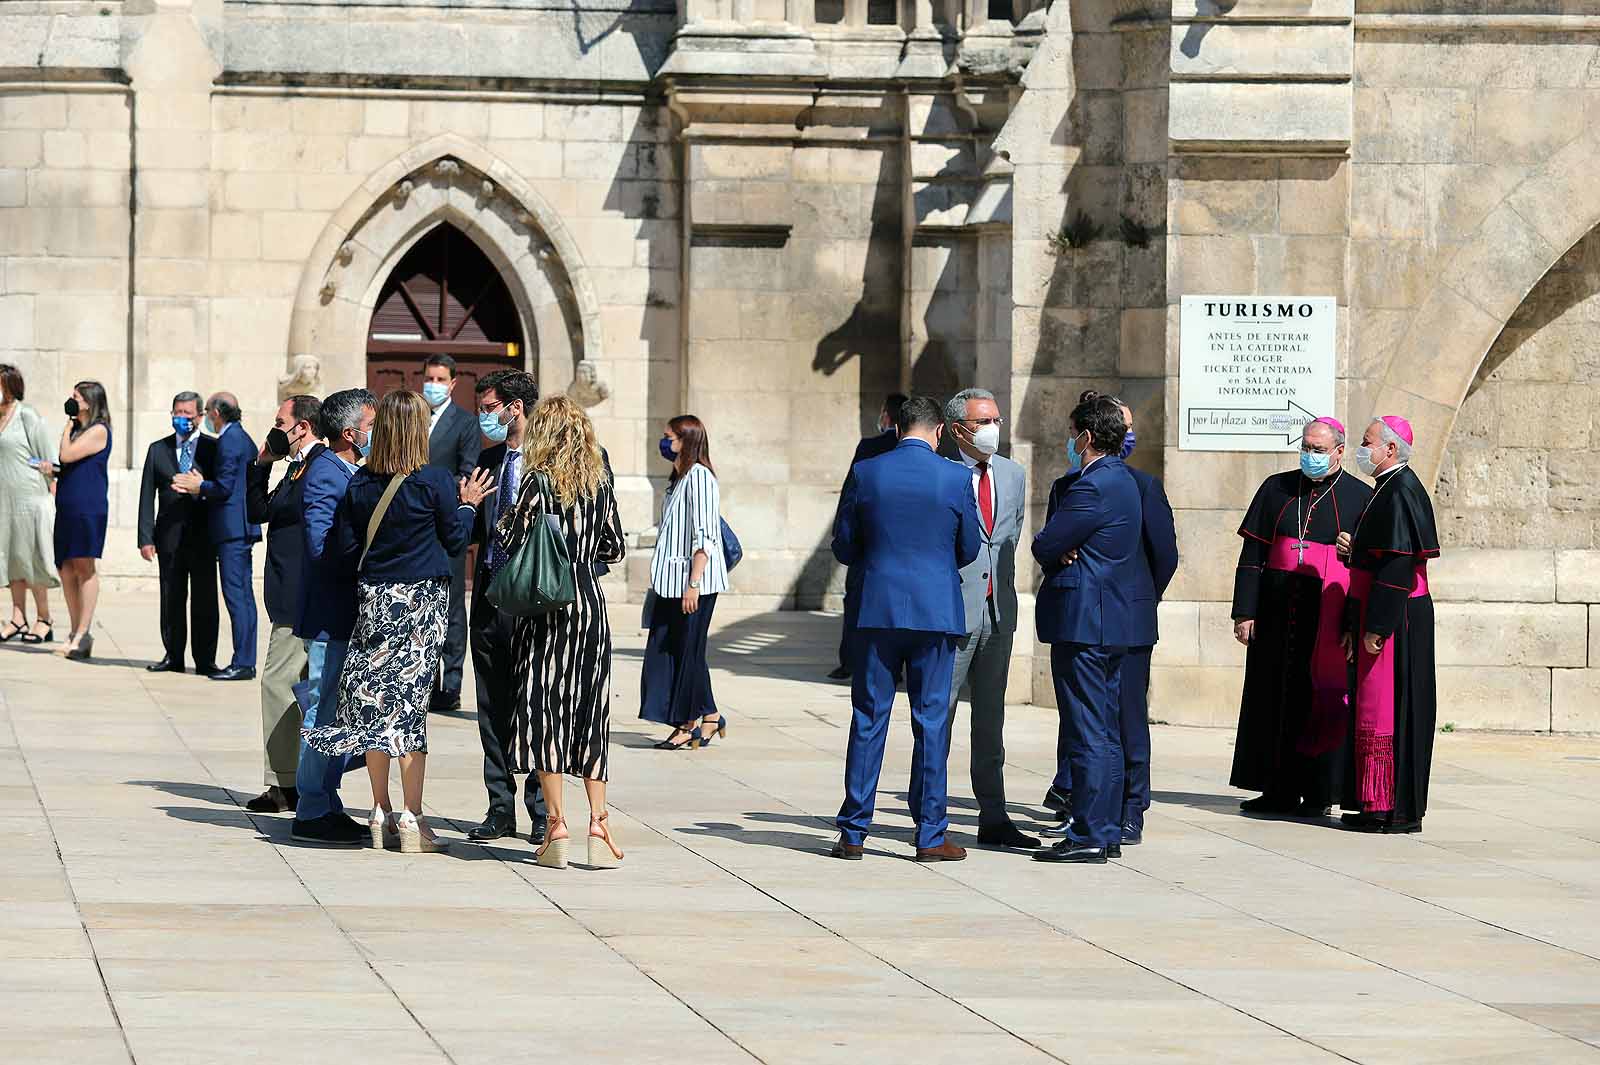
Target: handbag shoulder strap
374,522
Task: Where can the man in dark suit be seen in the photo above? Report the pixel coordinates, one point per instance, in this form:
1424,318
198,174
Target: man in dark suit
1088,612
909,520
505,399
881,443
175,535
294,437
1155,564
453,443
223,489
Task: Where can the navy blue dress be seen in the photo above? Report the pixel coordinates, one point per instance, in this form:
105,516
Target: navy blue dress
82,506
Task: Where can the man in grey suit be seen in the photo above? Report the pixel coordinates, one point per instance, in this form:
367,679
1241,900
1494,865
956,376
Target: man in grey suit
989,592
454,443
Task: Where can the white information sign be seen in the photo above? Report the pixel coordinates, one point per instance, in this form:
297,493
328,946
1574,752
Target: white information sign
1253,370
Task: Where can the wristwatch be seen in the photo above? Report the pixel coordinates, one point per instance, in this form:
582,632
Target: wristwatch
695,585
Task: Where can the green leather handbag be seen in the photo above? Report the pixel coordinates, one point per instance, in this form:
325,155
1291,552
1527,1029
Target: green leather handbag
537,579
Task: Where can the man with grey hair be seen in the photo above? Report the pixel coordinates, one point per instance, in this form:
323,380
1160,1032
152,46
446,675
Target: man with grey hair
989,596
175,536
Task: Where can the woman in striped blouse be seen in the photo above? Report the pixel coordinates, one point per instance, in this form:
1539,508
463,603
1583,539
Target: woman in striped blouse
687,574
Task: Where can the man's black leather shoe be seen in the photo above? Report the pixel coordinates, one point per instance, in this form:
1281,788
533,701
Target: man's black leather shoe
237,673
1068,852
1114,851
1311,808
1058,802
1132,834
445,702
536,833
492,828
274,800
166,665
839,673
1007,835
1061,831
331,829
1270,804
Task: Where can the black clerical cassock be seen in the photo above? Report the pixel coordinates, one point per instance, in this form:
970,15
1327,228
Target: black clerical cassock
1393,691
1294,716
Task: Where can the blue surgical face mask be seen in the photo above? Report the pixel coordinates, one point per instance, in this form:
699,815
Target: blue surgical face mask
435,393
1074,460
493,429
183,424
666,449
1128,443
1315,464
364,446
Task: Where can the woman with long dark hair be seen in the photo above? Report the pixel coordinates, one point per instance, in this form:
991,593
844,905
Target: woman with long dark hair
687,573
27,515
82,507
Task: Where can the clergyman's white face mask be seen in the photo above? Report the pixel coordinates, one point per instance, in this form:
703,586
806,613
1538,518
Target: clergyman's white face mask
1364,461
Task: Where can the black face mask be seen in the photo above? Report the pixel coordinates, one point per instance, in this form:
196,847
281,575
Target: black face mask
277,442
71,407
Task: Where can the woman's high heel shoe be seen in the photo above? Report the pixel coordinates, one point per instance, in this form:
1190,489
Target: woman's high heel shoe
16,630
385,830
603,853
719,731
553,855
31,637
412,839
687,743
84,650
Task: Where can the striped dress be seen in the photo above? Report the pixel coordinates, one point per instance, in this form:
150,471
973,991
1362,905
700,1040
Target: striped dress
561,667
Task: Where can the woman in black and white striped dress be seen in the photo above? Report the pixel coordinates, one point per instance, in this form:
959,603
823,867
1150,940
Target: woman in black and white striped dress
687,574
562,660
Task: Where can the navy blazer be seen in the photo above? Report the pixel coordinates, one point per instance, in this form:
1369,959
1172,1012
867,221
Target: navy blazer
328,592
226,488
1159,559
279,509
909,520
455,442
1099,599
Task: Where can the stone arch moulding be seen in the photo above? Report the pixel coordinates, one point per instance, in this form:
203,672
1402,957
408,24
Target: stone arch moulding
1478,290
445,179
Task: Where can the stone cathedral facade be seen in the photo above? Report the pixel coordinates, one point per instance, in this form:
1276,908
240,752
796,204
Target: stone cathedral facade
773,212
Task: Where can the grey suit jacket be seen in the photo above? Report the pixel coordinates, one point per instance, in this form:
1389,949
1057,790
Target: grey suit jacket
998,558
455,442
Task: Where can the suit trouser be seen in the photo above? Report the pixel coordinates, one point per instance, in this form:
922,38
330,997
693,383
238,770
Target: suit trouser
852,610
189,573
453,656
928,659
1088,682
234,569
984,658
492,667
280,713
1134,700
318,776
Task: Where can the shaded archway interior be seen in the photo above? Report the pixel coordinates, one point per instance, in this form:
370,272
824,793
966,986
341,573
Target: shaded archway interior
444,297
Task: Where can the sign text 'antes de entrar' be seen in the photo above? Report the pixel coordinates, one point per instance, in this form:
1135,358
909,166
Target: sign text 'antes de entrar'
1253,370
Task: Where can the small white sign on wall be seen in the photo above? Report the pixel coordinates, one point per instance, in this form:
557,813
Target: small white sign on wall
1252,370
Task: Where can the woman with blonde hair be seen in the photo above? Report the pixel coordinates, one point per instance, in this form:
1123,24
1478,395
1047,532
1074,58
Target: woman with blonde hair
398,526
563,658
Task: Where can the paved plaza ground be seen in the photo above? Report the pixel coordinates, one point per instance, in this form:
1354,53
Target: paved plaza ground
147,917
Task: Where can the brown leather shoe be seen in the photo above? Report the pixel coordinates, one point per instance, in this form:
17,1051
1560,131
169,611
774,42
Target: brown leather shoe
850,852
944,852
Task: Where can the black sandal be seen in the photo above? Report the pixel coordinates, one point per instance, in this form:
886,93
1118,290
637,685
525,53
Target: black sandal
688,743
31,637
16,630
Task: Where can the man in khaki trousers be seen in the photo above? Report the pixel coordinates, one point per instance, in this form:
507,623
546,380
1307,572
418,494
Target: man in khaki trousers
294,436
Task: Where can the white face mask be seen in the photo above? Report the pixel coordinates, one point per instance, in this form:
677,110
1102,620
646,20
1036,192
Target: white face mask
987,439
1364,461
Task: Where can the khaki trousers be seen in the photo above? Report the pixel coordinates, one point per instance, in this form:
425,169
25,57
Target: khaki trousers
285,666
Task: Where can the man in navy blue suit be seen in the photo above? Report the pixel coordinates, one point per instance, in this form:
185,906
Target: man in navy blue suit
1088,612
224,491
909,521
869,447
1156,564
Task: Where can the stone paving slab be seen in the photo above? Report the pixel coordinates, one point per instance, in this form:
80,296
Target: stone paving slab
148,918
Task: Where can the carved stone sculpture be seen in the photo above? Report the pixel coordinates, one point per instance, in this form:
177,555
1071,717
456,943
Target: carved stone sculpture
304,377
586,387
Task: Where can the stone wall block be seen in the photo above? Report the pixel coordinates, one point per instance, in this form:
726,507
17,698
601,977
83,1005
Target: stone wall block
1255,51
80,321
1314,196
1312,266
1205,264
1445,324
1575,700
1217,645
1510,634
1492,575
1179,623
1210,554
1413,126
1389,201
1224,196
1526,126
1204,696
1578,579
1500,265
1226,114
1389,274
1486,697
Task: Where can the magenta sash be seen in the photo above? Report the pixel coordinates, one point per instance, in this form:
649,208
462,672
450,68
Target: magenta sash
1329,717
1374,749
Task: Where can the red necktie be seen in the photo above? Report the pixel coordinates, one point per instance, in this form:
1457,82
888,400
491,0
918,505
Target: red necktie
986,506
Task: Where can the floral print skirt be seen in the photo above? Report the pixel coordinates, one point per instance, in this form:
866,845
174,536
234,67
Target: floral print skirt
389,670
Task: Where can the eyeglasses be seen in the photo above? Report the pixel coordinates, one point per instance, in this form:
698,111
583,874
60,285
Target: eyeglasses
981,422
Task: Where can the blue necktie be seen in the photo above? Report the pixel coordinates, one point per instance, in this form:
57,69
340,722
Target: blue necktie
186,456
505,499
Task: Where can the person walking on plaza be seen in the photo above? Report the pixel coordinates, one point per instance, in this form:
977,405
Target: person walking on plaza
1155,565
1088,612
1389,637
1288,611
563,658
82,507
294,437
687,573
505,400
453,444
232,533
882,442
173,532
909,520
989,595
397,526
27,512
327,614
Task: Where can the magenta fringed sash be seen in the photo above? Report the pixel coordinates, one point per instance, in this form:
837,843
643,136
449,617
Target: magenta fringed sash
1330,695
1374,750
